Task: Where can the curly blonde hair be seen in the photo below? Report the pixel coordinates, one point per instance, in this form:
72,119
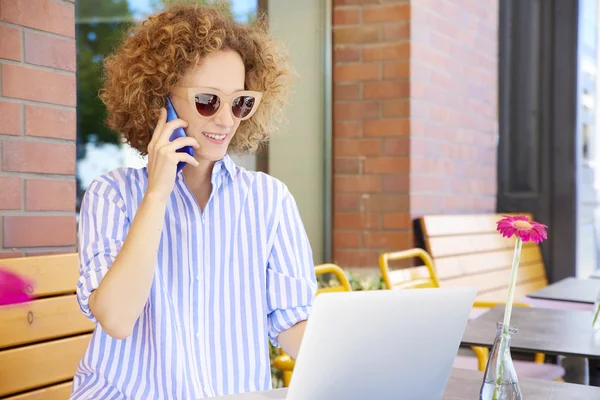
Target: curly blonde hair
155,55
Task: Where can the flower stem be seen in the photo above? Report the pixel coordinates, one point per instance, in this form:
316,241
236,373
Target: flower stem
507,314
513,283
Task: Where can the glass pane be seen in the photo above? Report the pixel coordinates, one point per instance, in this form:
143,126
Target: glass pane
100,25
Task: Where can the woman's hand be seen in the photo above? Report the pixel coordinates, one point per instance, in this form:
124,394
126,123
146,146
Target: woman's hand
163,156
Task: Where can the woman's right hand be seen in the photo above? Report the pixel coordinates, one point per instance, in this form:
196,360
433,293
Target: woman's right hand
163,156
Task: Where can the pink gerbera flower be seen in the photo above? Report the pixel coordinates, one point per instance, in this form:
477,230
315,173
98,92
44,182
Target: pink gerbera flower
523,227
13,288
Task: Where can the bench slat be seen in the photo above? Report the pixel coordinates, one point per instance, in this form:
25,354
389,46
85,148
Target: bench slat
445,246
52,275
461,224
42,320
521,291
31,367
497,280
455,266
56,392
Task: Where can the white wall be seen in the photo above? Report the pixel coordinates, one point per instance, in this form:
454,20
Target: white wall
296,153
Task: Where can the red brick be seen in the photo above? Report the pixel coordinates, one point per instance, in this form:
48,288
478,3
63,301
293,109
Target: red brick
396,147
10,45
386,90
49,51
387,127
356,258
387,240
357,184
346,165
37,85
387,165
347,202
10,254
356,34
10,118
41,157
346,16
50,122
396,69
357,72
39,231
397,221
346,239
357,221
49,195
347,92
386,203
384,52
343,54
353,147
396,183
396,31
347,129
10,193
381,13
395,108
356,110
45,15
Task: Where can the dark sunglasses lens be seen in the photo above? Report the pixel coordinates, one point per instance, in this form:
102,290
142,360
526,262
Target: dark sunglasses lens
242,106
207,104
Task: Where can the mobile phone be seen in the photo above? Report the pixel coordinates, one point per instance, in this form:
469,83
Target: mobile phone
177,133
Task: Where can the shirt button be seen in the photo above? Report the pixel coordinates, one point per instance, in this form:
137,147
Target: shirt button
198,335
199,277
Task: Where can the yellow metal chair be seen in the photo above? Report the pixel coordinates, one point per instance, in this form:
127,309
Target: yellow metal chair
426,277
283,361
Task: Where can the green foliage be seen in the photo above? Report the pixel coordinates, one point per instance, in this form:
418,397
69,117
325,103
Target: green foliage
100,27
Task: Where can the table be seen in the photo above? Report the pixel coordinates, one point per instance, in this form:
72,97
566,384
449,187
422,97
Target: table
549,331
570,289
465,384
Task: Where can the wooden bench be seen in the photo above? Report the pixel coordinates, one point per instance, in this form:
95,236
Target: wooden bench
42,342
468,251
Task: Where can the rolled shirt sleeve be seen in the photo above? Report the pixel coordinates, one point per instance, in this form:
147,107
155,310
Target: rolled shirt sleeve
291,282
103,225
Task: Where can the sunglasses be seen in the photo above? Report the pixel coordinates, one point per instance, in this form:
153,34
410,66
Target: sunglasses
208,102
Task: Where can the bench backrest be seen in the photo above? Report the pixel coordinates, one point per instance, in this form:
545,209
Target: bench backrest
468,251
41,342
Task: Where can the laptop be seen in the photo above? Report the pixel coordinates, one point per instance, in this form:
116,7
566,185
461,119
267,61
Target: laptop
384,344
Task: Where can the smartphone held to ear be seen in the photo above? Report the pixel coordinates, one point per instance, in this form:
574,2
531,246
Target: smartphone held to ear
177,133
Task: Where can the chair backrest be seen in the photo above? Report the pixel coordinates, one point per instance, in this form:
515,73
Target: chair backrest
344,283
41,342
468,251
408,278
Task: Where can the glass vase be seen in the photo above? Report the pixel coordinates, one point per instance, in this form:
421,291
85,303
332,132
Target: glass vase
500,380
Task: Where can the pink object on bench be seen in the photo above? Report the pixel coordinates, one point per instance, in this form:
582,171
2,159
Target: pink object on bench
14,289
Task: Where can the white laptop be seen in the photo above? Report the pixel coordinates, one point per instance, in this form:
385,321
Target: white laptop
385,344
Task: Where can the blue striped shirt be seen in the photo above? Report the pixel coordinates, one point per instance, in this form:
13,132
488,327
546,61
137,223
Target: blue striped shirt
227,279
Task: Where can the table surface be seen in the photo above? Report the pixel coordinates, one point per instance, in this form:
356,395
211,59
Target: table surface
465,384
549,331
570,289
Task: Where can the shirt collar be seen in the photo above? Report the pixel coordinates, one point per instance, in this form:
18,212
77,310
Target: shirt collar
227,164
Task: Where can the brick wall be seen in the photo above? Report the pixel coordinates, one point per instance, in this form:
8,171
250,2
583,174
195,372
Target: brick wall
414,118
37,127
454,123
371,129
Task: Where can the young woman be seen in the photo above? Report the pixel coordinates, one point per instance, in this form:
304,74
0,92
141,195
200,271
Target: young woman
189,273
